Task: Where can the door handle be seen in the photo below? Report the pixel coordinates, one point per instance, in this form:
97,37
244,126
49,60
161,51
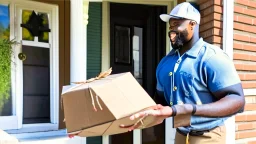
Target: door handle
22,56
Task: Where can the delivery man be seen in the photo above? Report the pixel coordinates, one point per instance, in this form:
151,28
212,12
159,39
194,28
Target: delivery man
197,79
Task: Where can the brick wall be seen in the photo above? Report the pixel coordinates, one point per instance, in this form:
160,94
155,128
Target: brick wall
211,21
245,62
244,54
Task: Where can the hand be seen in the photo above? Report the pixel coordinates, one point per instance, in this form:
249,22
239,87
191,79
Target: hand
159,113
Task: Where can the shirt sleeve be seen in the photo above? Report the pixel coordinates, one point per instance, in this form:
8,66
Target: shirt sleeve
159,85
220,72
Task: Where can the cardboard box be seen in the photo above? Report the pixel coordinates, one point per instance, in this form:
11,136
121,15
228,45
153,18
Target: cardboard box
99,107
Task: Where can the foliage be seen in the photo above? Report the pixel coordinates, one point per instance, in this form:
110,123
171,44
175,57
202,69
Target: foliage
5,70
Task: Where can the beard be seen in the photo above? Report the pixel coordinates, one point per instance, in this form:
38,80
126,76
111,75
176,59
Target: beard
179,39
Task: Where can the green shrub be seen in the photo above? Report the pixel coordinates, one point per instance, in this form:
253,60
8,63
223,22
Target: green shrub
5,71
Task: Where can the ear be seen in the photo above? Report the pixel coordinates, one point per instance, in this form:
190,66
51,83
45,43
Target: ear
192,24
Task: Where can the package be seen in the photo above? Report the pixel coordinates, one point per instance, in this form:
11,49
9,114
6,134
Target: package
100,105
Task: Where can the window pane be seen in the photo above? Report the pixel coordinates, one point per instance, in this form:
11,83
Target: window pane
137,53
5,59
26,35
44,37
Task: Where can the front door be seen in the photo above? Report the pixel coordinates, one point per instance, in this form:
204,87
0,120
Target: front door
38,61
137,38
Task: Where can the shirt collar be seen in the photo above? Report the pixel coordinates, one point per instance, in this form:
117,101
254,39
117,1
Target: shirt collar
194,51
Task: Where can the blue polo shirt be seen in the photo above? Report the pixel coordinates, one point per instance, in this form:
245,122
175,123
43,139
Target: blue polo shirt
192,77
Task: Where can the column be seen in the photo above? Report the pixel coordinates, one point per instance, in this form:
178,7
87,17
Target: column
78,46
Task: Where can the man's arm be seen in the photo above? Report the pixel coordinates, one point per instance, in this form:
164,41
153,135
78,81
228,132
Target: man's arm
224,84
231,101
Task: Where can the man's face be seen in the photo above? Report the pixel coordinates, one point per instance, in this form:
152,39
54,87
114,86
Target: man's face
180,32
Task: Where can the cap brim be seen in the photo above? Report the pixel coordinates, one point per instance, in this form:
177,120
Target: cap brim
166,17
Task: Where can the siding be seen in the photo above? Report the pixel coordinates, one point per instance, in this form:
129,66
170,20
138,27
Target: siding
94,48
94,42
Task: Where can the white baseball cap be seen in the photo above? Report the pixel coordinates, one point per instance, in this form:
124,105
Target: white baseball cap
183,11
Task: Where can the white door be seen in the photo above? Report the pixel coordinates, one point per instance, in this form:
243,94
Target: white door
35,88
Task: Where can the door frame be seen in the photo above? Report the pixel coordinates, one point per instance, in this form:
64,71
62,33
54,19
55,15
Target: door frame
105,63
17,73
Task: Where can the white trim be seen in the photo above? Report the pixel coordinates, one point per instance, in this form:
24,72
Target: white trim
30,128
169,131
54,102
105,139
137,136
105,56
228,13
78,48
24,136
248,92
8,122
17,70
228,17
35,44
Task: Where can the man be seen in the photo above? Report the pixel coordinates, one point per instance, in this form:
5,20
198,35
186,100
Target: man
197,79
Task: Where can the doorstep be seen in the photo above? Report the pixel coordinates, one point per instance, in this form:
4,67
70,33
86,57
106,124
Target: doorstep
50,137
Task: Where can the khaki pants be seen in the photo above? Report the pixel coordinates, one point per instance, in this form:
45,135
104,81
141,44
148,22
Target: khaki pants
215,136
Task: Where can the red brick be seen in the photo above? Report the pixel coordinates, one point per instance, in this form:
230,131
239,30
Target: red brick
252,4
248,84
243,19
246,3
246,67
249,28
238,9
245,126
252,39
206,4
247,47
214,39
240,118
250,107
211,32
238,26
241,10
245,134
241,37
251,142
247,76
242,2
211,9
211,24
210,17
243,56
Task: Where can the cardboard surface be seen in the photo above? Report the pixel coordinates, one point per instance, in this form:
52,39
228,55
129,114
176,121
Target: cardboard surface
119,96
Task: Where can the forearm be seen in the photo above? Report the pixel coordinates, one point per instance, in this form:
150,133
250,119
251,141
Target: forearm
226,106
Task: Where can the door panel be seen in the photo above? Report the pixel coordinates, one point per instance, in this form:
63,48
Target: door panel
36,85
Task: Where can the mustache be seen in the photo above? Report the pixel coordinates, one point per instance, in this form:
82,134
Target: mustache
178,39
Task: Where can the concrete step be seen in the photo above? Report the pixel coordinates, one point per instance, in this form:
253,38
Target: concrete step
50,137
